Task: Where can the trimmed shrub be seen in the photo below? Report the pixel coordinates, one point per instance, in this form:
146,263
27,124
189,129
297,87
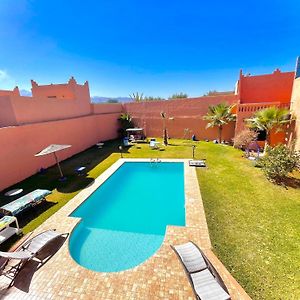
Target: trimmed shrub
279,162
244,138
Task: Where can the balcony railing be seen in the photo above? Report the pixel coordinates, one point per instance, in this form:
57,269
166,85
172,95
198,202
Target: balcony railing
253,107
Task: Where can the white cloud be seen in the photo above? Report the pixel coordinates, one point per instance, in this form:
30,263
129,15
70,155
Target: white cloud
6,81
4,75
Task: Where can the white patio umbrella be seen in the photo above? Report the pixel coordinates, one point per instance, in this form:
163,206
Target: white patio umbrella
53,148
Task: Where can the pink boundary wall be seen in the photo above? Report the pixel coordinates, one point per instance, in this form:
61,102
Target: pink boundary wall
55,114
18,144
184,113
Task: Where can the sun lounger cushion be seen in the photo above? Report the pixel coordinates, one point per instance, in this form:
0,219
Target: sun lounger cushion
39,241
16,255
24,202
197,163
207,287
191,257
206,282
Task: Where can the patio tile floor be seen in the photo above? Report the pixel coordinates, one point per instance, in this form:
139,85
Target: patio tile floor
160,277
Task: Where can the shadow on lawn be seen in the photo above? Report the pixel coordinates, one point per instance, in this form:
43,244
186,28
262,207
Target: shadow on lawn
291,182
49,180
89,158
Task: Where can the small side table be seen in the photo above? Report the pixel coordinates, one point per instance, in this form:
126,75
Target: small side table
6,231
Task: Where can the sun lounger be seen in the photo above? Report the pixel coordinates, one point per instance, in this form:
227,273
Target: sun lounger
154,144
15,207
30,249
197,163
205,281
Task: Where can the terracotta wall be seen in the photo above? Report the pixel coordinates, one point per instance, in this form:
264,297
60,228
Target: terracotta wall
104,108
18,144
185,113
69,90
295,108
48,102
275,87
55,114
245,111
7,114
40,109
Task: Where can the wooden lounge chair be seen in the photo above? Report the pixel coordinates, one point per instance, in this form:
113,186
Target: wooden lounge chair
30,249
205,280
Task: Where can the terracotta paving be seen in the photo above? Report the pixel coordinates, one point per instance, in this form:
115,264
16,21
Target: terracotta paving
159,277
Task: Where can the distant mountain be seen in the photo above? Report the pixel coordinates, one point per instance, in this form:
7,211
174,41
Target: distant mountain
98,99
94,99
25,93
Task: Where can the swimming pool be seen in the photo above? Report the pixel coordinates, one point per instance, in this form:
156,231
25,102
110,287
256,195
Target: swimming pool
124,221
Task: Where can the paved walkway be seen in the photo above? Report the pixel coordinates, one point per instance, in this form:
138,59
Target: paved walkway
160,277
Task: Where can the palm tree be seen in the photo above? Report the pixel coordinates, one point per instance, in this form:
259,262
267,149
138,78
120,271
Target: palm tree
218,116
125,122
165,132
178,96
137,97
268,119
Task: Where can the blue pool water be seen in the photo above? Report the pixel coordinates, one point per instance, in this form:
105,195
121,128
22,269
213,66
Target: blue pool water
124,221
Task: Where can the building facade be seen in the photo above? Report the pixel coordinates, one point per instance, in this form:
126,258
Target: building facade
64,114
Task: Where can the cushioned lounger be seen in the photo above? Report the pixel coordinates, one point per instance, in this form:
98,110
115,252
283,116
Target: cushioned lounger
24,202
207,287
197,163
204,279
190,257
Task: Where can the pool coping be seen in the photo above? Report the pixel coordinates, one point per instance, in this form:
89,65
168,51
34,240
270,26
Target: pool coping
162,271
194,210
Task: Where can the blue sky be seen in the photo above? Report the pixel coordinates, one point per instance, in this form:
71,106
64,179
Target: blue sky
156,47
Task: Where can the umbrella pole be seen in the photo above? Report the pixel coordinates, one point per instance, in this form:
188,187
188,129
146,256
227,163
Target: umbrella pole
58,165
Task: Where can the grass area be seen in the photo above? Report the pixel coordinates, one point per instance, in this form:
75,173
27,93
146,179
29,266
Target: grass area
254,225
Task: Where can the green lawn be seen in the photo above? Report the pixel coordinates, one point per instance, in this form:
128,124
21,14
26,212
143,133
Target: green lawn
254,225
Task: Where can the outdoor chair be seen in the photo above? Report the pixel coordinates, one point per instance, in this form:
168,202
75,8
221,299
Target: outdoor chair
28,250
132,138
126,142
204,279
154,144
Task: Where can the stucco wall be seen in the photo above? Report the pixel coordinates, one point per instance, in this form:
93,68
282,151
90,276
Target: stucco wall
187,113
104,108
275,87
40,109
7,114
18,144
295,108
246,111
